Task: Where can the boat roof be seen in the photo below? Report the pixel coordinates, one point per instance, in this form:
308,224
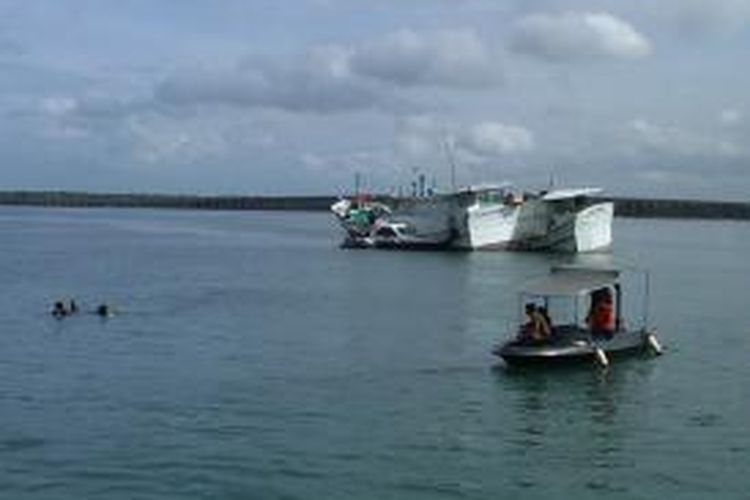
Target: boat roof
567,281
487,186
564,194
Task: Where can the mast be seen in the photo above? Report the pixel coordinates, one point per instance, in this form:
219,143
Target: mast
452,162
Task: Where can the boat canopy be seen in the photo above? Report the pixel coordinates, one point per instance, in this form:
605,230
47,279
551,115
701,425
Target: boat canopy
571,281
485,187
566,194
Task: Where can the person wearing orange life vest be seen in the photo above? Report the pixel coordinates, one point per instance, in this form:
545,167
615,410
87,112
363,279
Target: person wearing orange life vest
601,318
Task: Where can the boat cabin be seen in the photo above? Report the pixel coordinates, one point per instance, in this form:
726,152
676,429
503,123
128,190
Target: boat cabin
572,298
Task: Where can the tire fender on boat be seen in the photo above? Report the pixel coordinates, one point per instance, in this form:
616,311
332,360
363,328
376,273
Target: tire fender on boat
653,343
601,357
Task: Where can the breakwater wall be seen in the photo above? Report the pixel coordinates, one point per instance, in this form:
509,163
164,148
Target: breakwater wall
680,209
624,207
93,200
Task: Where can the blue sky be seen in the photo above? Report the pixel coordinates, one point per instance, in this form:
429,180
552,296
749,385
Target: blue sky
275,97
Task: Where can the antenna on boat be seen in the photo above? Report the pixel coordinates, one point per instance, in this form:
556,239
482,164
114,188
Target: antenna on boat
451,160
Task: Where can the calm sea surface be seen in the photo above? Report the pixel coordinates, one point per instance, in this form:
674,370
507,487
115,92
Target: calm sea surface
252,358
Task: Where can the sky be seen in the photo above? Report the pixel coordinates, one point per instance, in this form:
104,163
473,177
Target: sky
270,97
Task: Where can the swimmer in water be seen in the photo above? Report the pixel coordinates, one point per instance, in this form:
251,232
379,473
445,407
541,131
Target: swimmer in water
58,310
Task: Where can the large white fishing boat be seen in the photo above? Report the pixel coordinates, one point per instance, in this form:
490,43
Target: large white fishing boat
484,217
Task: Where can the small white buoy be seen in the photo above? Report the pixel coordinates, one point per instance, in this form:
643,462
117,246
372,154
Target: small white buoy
601,357
654,344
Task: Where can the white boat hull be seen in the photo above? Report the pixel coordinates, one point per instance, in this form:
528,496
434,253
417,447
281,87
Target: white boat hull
536,226
488,227
593,228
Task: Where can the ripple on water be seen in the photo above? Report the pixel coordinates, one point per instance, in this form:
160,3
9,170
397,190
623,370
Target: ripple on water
22,443
705,419
603,485
433,489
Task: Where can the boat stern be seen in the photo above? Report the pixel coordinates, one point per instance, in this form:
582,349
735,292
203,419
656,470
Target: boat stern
593,227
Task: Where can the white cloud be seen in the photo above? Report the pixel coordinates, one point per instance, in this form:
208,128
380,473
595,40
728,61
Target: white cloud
446,58
319,82
578,35
334,78
313,161
425,138
650,137
730,117
419,137
192,138
493,139
656,176
58,106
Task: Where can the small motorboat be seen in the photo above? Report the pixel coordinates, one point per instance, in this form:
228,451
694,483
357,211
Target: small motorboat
358,217
369,224
554,332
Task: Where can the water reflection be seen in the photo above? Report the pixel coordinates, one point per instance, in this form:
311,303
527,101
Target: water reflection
575,418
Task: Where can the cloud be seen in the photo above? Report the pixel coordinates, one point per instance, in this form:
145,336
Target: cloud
578,36
210,136
444,59
425,138
419,137
649,137
141,130
57,105
93,106
730,117
494,139
349,161
334,78
92,115
702,17
319,82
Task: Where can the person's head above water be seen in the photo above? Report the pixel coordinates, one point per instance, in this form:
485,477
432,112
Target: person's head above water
59,309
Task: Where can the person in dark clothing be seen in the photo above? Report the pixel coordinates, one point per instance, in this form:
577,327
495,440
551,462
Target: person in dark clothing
103,310
536,328
58,310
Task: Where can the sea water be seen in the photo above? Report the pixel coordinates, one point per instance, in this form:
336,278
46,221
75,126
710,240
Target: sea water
250,357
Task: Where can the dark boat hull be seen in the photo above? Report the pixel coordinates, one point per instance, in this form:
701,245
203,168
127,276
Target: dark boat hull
395,244
573,347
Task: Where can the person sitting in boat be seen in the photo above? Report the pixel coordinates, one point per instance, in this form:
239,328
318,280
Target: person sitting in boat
601,317
545,315
536,327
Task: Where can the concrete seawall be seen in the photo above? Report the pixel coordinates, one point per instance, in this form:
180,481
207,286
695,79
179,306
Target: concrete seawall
680,209
115,200
624,207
